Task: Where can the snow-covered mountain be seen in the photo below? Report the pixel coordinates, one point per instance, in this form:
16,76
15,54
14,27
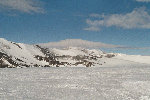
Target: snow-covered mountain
23,55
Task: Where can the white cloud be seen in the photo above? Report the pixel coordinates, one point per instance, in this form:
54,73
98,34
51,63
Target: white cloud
27,6
143,0
77,43
138,18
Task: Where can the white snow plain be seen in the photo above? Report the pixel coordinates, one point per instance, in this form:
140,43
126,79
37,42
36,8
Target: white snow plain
76,83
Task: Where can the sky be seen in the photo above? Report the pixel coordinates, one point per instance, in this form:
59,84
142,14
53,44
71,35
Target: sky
117,22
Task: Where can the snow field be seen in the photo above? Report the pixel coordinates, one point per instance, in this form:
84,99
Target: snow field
98,83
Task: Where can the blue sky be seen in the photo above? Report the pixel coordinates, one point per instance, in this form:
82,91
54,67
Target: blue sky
118,22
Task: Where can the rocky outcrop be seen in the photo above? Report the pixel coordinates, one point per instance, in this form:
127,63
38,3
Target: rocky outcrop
14,55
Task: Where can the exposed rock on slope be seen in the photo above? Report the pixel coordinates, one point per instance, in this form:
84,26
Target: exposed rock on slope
22,55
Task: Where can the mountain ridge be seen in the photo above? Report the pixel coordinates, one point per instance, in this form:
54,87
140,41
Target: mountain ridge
19,55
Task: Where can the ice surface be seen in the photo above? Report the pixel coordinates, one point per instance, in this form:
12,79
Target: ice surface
97,83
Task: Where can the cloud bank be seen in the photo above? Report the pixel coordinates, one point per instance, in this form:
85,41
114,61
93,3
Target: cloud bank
138,18
77,43
26,6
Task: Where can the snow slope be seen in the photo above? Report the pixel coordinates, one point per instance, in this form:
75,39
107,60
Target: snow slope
134,58
23,55
21,51
74,51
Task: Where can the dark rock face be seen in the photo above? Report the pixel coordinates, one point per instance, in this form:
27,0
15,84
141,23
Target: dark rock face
110,55
16,44
5,57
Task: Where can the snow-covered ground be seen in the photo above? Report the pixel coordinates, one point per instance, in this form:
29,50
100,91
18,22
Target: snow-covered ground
83,74
76,83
